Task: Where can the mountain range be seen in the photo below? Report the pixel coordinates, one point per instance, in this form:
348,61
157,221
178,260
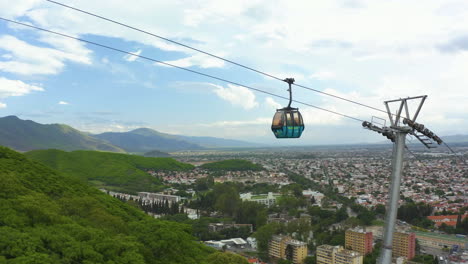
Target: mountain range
27,135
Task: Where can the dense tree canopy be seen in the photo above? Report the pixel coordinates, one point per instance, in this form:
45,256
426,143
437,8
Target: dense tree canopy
49,217
113,171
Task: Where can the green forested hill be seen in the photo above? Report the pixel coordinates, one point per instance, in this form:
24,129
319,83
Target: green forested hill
232,165
113,171
50,217
25,135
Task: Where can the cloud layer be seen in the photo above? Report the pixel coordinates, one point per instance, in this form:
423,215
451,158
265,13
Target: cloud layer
365,50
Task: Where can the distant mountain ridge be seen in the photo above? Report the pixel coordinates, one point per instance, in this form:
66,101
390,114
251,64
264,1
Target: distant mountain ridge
145,140
212,142
27,135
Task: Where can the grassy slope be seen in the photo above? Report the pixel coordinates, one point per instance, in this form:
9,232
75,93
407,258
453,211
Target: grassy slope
49,217
232,165
114,171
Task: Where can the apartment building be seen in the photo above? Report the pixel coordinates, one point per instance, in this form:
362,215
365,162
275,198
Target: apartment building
327,254
359,240
404,245
296,251
284,247
346,256
277,246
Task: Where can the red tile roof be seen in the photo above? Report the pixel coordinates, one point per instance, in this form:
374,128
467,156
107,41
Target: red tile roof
450,220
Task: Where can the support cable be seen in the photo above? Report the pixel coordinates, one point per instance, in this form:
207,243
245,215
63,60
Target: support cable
412,153
178,67
211,54
454,153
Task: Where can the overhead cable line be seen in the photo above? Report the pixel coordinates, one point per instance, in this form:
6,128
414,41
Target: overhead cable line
211,54
178,67
462,159
412,153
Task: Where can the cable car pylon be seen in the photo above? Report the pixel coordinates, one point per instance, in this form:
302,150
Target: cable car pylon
400,125
287,122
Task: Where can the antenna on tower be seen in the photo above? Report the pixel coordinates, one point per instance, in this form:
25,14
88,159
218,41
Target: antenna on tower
401,124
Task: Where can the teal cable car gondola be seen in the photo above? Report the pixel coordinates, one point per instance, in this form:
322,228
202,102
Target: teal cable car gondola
288,122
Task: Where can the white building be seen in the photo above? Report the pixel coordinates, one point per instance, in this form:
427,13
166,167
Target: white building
318,196
266,199
252,242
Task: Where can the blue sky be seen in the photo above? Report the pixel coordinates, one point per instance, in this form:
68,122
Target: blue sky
369,51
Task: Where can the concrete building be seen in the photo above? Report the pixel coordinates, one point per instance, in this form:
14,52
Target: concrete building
277,246
265,199
147,196
346,256
359,240
404,245
252,241
283,247
296,251
450,220
216,227
318,196
327,254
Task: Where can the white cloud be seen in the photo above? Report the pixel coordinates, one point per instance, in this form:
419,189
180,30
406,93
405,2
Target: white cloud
15,88
234,129
236,95
323,75
201,60
18,8
131,58
270,102
63,103
27,59
238,123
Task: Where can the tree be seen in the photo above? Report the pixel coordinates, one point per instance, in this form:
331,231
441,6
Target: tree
204,184
424,259
380,209
310,260
366,217
372,257
249,213
459,221
263,236
227,200
226,258
341,214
